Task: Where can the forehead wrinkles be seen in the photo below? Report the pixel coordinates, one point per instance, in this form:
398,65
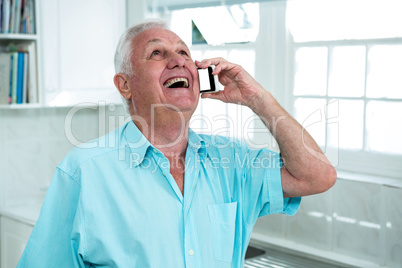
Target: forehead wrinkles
161,41
144,41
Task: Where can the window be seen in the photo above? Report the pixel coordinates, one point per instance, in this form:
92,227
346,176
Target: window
217,118
230,24
231,36
347,63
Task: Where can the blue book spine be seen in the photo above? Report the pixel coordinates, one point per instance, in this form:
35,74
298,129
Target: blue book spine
11,78
20,78
1,16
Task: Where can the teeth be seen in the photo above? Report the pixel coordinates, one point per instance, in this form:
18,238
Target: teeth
175,80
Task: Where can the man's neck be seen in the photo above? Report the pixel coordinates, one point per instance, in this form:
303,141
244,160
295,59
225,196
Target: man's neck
169,133
169,136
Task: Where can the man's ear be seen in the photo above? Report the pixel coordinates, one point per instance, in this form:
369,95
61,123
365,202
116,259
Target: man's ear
121,81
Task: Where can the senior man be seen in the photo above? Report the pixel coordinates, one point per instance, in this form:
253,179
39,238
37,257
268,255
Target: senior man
161,197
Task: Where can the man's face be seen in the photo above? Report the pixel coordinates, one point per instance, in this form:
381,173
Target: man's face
164,73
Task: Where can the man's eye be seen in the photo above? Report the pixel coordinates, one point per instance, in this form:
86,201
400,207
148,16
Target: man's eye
156,53
183,53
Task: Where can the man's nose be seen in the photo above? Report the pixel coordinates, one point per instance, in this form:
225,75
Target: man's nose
176,60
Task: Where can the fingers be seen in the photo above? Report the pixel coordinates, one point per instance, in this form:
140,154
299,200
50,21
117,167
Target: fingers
207,62
219,63
216,96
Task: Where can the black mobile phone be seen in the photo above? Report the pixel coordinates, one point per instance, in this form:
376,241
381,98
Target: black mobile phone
208,81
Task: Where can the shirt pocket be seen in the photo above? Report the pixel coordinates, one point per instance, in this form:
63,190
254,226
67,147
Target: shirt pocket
223,221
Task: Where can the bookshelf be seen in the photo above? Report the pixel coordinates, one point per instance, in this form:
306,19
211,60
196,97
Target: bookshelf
74,57
18,37
19,75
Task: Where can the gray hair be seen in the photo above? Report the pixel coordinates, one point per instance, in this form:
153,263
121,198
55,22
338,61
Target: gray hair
124,50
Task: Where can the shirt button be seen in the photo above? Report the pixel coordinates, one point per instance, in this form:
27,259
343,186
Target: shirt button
163,173
155,151
191,252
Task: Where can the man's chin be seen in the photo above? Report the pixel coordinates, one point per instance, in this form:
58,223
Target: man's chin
184,107
184,104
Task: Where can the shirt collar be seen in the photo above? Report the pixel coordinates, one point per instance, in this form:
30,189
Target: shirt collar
139,145
196,142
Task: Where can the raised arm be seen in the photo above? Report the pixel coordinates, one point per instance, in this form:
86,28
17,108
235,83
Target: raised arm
306,169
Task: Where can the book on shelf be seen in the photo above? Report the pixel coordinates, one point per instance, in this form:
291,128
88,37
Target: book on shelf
14,77
32,75
5,14
18,82
1,15
5,64
24,79
27,22
12,17
17,16
30,19
20,78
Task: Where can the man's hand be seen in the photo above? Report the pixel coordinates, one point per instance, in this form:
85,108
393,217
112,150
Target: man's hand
306,169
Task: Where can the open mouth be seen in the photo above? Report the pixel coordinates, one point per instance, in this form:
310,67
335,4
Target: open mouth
179,82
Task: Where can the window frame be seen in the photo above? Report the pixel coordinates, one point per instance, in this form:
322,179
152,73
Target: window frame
361,161
228,49
274,70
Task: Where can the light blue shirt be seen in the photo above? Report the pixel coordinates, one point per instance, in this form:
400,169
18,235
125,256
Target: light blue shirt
113,203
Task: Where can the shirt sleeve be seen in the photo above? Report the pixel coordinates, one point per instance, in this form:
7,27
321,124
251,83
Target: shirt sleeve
52,243
263,193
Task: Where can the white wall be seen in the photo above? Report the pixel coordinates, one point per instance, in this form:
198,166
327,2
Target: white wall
356,219
34,141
